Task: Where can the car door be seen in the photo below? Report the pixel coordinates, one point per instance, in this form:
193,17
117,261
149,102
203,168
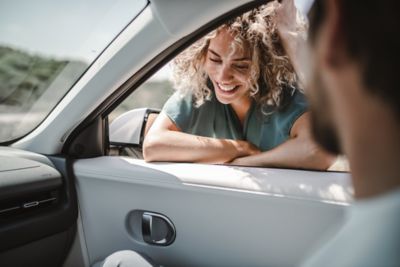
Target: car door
176,214
219,215
39,63
205,215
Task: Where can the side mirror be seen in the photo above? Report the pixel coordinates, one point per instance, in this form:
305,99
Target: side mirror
129,128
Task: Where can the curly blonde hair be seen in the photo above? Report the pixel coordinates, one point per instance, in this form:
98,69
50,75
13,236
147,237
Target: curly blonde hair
271,74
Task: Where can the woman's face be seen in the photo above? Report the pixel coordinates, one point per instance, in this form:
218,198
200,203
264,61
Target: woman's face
228,69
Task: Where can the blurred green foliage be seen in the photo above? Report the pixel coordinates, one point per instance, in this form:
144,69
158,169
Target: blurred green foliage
25,77
30,86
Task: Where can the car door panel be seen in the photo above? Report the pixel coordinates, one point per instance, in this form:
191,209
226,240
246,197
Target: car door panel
223,215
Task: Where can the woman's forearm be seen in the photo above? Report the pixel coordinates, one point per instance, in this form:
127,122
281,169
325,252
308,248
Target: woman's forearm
295,153
182,147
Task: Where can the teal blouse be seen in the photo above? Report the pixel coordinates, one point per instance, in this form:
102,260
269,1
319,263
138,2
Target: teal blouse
214,119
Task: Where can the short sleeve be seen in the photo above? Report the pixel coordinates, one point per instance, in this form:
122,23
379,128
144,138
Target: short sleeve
297,107
179,109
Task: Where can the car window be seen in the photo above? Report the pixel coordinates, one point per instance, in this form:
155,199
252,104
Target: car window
45,47
151,94
132,119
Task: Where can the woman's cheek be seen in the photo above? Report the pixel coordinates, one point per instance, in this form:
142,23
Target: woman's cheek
209,68
243,78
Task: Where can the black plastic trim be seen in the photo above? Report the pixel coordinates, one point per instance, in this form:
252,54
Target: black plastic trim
145,119
149,229
21,177
24,230
91,141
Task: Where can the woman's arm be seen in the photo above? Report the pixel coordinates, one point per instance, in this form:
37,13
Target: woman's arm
299,152
165,142
293,39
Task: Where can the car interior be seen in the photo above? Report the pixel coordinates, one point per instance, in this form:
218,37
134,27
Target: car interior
76,188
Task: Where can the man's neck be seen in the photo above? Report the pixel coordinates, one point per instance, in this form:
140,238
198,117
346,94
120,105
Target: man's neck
369,182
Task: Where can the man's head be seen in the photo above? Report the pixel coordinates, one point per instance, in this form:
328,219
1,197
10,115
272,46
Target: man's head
355,46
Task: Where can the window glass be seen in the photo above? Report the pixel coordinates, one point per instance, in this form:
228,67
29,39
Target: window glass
151,94
211,67
45,46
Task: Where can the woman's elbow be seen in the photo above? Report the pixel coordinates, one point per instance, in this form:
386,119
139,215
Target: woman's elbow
149,148
319,158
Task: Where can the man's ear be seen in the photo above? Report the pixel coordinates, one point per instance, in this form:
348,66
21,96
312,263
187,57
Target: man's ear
332,37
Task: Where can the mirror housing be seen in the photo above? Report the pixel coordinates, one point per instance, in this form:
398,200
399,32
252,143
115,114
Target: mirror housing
128,129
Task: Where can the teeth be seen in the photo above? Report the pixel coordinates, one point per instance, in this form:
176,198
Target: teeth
227,87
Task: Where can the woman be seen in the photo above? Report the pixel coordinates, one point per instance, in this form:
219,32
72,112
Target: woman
236,102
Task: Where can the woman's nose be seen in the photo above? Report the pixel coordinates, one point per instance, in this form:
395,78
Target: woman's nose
225,74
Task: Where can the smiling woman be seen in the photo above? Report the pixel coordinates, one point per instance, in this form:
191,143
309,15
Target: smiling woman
236,101
41,61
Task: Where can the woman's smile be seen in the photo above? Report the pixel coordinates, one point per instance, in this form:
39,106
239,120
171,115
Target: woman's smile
227,89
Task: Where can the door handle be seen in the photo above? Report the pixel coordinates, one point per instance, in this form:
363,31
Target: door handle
157,229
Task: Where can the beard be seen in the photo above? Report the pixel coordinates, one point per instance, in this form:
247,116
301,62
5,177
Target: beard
323,129
324,134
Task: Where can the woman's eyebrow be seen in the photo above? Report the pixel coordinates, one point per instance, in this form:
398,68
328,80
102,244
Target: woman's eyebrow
213,52
235,59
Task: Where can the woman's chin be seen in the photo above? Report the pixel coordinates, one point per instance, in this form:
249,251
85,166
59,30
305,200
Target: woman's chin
226,97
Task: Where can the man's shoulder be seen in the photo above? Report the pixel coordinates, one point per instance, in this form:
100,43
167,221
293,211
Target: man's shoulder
369,237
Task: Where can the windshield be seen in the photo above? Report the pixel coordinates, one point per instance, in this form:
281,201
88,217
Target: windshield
45,47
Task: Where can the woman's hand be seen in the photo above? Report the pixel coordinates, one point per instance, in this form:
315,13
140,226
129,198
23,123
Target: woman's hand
245,148
165,142
299,152
286,20
291,29
242,161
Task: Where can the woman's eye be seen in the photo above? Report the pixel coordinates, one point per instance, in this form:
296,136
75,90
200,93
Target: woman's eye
215,60
241,67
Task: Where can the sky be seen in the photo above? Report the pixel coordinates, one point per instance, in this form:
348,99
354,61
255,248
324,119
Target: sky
303,5
64,29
